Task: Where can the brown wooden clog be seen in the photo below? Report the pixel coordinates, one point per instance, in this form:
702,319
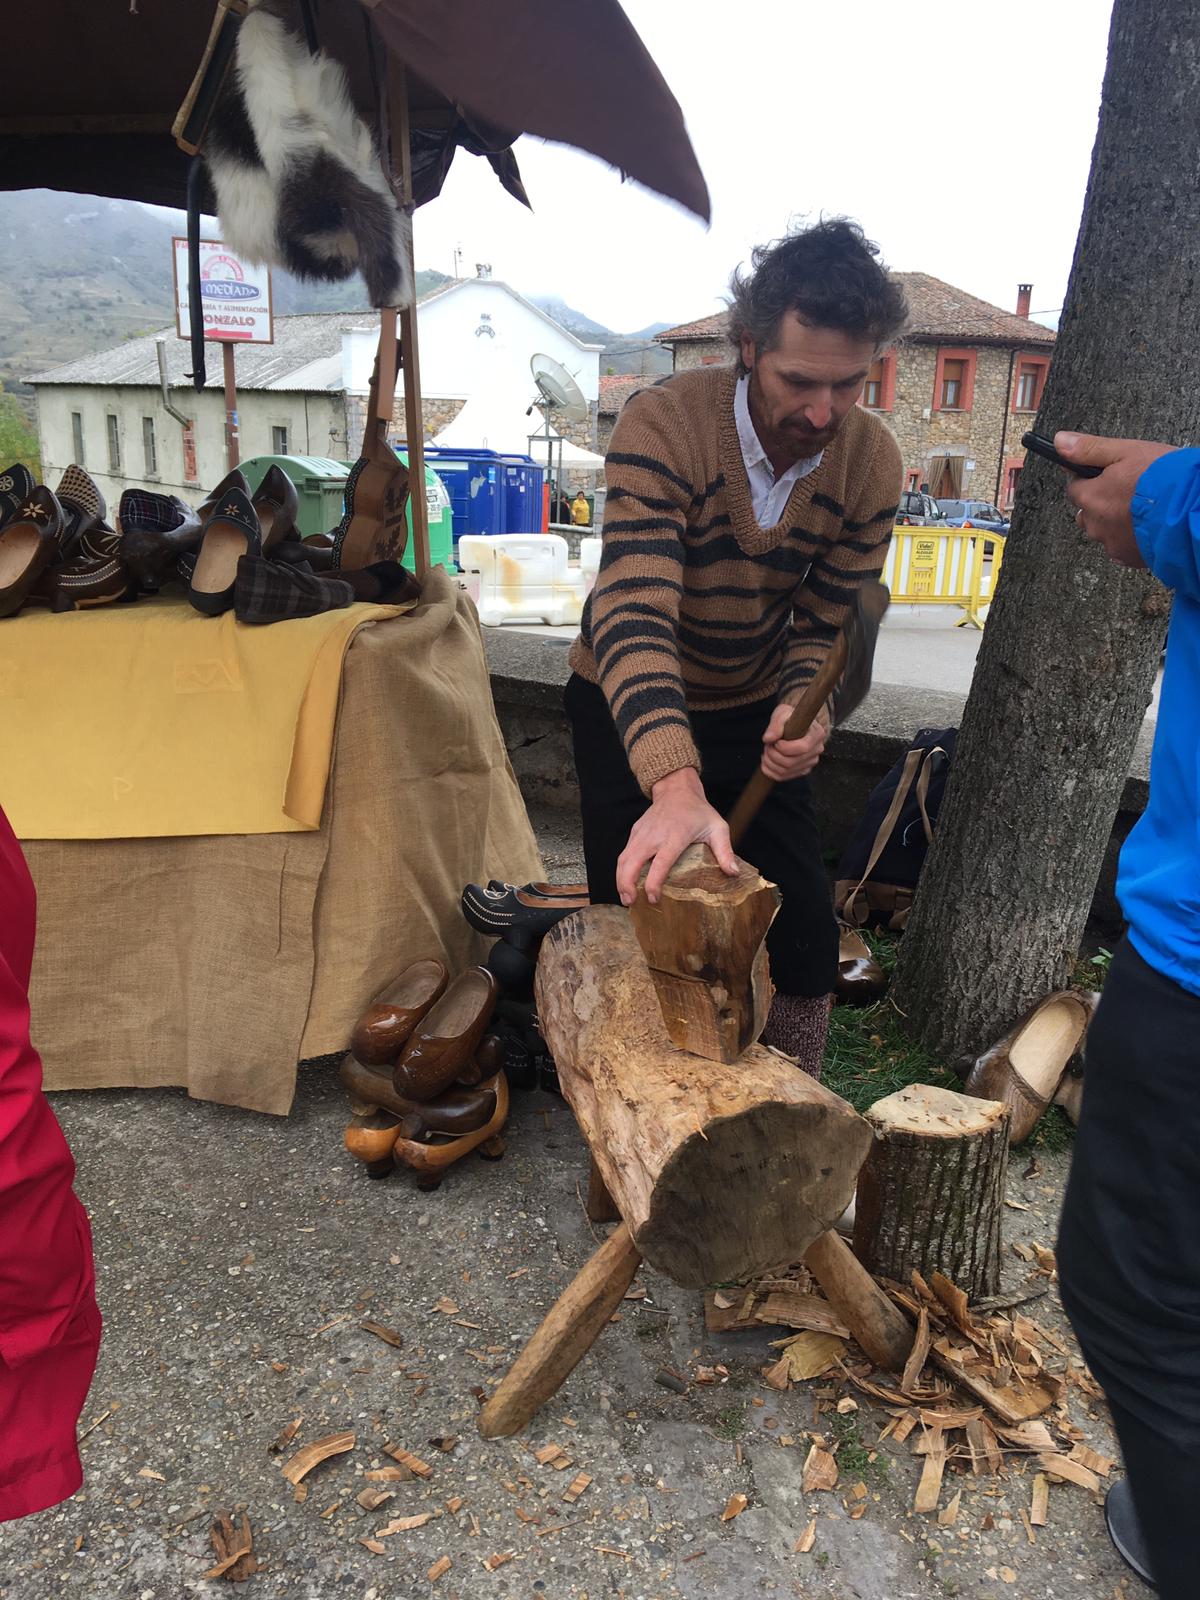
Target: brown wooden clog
384,1028
1026,1067
860,980
429,1161
448,1036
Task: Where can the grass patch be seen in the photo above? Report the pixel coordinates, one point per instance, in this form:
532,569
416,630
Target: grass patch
869,1055
853,1455
729,1424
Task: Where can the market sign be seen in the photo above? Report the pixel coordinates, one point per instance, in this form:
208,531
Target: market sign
235,293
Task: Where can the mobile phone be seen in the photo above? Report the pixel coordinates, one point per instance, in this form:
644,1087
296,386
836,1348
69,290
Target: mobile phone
1041,446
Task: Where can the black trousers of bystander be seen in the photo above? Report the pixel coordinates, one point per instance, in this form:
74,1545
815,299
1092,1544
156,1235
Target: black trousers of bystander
1129,1249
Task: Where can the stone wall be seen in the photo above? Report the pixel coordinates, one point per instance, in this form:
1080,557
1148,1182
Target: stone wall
986,434
691,353
435,415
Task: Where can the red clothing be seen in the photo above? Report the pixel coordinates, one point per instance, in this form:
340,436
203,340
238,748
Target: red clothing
49,1321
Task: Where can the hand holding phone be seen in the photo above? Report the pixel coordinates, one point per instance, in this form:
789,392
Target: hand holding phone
1041,446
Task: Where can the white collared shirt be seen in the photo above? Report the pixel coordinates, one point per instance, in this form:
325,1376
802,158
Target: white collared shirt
768,494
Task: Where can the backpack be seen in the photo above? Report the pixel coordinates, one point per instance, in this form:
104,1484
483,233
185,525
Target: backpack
877,875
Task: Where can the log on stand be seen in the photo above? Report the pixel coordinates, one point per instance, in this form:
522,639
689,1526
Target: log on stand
931,1192
718,1170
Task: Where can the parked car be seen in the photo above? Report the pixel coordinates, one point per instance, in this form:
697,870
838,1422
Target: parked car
974,514
918,510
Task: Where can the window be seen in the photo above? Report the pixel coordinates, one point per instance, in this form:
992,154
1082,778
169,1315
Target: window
954,380
913,479
880,388
953,376
712,361
279,441
114,442
149,447
77,438
1011,479
1029,382
190,474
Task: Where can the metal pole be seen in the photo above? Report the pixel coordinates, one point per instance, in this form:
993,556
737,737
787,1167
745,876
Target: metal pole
232,452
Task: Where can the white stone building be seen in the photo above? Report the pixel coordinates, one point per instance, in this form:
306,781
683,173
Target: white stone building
303,395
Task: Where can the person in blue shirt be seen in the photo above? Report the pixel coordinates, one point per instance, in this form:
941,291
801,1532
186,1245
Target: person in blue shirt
1129,1244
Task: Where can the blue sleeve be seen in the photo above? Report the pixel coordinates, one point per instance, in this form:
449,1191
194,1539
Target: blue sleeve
1166,520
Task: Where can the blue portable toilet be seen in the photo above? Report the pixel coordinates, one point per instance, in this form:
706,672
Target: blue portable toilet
489,492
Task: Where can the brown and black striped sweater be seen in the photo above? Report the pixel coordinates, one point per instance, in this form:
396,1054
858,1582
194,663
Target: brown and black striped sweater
698,608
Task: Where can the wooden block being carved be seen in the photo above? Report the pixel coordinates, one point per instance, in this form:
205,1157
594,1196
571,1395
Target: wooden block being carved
719,1171
703,943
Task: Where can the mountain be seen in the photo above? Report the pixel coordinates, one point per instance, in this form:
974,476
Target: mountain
80,274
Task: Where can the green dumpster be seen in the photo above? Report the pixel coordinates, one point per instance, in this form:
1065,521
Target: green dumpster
321,486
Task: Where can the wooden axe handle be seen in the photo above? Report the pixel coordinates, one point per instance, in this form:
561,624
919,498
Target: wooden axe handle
798,724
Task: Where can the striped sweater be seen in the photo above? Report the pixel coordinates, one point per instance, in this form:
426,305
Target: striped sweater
696,607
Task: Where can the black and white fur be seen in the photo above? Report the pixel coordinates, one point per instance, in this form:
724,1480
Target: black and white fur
297,177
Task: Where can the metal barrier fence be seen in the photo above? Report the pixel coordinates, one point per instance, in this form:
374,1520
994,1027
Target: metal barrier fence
944,567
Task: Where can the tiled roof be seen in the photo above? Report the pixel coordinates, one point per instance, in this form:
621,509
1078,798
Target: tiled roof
616,388
939,311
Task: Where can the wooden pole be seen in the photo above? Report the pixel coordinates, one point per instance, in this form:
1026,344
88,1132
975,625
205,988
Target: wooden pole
879,1327
414,427
232,450
571,1327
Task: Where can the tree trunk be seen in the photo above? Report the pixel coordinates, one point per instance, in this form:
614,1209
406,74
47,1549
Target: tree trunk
931,1190
719,1171
1068,658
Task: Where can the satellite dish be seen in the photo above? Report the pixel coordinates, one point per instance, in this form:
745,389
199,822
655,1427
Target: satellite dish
558,388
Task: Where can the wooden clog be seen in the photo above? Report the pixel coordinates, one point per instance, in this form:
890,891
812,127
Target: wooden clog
447,1037
384,1028
429,1161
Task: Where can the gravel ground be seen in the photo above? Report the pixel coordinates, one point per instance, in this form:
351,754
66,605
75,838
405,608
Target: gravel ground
237,1257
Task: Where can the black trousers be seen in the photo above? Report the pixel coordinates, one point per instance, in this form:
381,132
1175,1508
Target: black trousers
782,841
1129,1249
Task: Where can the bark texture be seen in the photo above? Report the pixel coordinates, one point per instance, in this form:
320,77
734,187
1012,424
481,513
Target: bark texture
1070,650
930,1192
719,1171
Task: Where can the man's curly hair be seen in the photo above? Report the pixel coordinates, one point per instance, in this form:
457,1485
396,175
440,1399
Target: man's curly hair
829,274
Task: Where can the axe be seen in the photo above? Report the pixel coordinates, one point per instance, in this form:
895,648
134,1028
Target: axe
845,674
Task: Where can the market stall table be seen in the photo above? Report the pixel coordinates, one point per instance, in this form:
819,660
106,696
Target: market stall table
217,958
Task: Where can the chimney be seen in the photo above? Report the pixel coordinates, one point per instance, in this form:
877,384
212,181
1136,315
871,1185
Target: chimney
1024,291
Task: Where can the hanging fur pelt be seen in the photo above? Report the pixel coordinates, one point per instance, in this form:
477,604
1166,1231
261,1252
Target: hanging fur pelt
297,177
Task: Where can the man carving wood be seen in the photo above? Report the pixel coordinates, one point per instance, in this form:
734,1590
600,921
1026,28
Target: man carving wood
745,508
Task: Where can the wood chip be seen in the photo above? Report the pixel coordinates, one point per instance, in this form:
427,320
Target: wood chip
806,1540
415,1465
395,1474
372,1499
1039,1500
439,1569
302,1463
779,1374
820,1470
1102,1465
1028,1436
329,1510
553,1455
954,1300
930,1487
455,1504
404,1524
388,1335
734,1507
810,1354
446,1307
498,1560
948,1515
1026,1524
1072,1471
1022,1250
790,1309
576,1487
919,1354
904,1426
374,1546
286,1436
445,1442
235,1550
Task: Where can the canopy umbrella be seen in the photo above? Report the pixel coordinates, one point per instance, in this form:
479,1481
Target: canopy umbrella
499,422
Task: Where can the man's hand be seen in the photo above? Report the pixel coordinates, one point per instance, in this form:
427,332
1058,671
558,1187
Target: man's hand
679,815
1104,502
791,758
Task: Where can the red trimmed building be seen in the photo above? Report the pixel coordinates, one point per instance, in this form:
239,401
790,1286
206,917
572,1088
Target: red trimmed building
958,393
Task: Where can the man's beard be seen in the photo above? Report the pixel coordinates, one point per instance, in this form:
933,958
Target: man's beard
794,439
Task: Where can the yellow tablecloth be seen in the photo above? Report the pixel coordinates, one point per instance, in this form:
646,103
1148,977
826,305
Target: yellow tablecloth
151,720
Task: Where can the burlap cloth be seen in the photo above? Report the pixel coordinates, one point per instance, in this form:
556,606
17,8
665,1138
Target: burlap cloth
217,963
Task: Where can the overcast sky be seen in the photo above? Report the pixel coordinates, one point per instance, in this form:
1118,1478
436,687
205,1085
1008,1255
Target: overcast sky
959,134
